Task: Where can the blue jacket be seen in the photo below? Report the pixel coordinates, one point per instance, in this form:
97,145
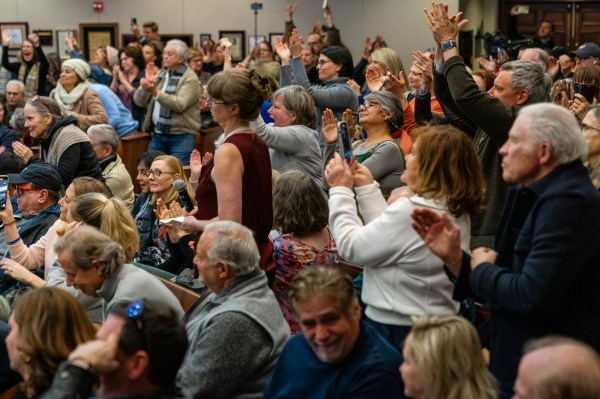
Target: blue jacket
119,116
547,272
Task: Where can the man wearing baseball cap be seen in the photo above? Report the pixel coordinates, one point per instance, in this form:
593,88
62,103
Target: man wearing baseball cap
587,54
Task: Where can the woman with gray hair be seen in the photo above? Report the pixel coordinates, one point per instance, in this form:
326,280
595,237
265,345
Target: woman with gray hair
293,142
95,265
64,145
380,116
74,96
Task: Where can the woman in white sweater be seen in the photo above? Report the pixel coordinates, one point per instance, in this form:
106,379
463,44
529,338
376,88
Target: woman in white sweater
402,277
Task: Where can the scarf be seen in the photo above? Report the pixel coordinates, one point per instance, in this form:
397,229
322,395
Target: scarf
30,77
67,100
163,125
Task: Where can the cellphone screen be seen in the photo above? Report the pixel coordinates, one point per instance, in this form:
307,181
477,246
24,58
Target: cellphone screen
346,146
3,191
587,91
134,21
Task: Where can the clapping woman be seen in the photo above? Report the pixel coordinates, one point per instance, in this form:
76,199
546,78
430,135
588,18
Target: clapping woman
32,65
402,278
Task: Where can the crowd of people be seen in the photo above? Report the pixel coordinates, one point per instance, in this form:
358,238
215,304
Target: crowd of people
336,242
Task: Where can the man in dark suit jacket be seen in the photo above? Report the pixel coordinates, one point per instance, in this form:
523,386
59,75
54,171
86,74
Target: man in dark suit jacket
543,276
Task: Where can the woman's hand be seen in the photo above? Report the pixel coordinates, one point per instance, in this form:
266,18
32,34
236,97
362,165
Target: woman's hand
423,63
442,26
580,106
34,39
368,49
16,271
374,79
282,50
117,72
352,83
6,37
338,172
329,127
22,151
296,44
348,117
151,72
361,175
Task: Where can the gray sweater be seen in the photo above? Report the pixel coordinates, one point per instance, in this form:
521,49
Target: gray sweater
235,339
293,147
334,94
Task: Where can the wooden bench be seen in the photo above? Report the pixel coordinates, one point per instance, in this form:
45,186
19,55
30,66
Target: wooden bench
129,149
185,296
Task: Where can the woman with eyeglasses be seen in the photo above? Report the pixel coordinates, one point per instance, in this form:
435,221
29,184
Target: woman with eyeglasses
591,134
45,326
25,258
165,247
380,115
64,145
335,69
32,65
402,278
236,183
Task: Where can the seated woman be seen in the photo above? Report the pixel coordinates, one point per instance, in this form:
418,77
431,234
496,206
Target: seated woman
126,79
300,215
379,116
402,278
164,248
32,65
64,145
236,183
75,97
591,134
142,209
443,359
45,326
335,68
7,135
292,139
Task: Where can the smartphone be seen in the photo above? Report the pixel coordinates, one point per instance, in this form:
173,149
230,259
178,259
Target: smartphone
134,21
523,9
3,191
346,146
587,91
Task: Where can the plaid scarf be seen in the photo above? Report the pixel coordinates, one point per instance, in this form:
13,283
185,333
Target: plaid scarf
163,125
31,83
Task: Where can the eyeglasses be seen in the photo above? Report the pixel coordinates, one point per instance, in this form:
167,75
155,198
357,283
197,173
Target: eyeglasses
210,102
21,190
323,62
314,43
586,126
135,312
158,173
368,104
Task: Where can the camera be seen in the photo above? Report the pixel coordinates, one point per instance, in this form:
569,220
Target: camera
256,6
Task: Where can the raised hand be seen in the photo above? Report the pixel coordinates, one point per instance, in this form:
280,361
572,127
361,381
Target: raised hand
34,39
151,72
282,50
487,64
424,64
338,172
6,37
352,83
329,127
296,44
348,117
361,175
291,9
374,79
368,48
442,26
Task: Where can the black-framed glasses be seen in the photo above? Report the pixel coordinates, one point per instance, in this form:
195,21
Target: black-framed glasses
135,312
323,62
158,173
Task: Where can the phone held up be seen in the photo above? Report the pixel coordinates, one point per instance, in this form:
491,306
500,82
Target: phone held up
133,21
346,146
3,191
587,91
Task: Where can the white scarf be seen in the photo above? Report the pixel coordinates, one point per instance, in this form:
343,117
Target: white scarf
67,100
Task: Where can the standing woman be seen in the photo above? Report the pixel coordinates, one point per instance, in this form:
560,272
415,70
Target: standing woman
152,52
64,145
236,183
32,66
126,79
402,278
74,96
45,326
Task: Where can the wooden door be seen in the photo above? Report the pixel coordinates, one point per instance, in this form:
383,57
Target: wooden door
587,23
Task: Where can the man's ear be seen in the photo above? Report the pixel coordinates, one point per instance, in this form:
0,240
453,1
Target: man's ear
523,97
545,154
224,270
356,310
137,365
96,265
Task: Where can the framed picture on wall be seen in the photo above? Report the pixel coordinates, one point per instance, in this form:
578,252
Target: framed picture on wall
272,37
187,38
18,32
95,35
61,47
45,37
238,41
254,40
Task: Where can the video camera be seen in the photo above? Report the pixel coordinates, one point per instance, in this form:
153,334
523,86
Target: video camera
494,43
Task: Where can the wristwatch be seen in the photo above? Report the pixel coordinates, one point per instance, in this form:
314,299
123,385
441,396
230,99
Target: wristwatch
448,44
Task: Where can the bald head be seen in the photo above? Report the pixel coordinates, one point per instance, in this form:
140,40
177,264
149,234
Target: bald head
565,369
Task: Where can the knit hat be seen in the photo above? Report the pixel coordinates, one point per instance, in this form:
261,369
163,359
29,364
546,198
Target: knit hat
340,55
41,174
80,67
112,56
587,50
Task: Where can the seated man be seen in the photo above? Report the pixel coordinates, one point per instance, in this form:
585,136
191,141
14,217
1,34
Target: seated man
558,368
236,329
105,141
337,356
95,265
136,353
15,96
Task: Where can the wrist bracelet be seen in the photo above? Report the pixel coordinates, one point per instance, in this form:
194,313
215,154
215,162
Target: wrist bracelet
9,223
14,242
